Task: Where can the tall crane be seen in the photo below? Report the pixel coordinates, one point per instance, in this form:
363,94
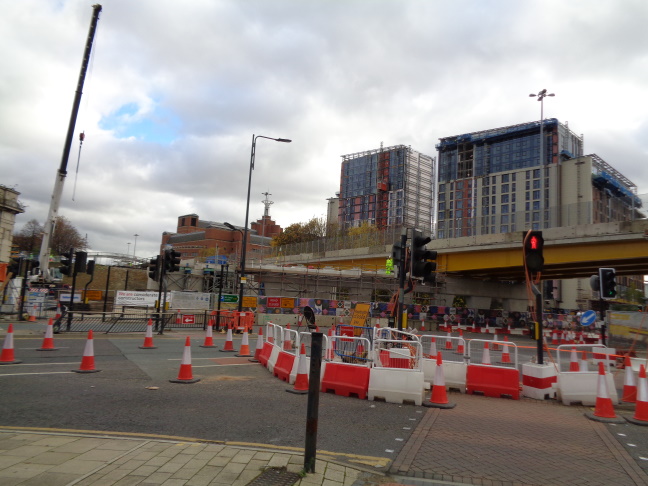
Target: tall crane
50,223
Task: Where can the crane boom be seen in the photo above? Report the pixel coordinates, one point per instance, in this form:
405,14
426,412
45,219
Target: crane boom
55,202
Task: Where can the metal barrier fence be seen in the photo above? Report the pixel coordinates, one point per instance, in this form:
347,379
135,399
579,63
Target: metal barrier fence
117,322
478,349
397,353
451,348
591,357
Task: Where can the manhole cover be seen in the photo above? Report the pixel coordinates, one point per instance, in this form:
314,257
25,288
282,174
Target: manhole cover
275,476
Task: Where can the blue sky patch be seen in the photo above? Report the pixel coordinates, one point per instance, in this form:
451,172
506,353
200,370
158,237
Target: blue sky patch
159,126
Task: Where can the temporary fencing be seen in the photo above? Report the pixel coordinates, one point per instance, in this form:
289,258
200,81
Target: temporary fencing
574,387
397,374
501,380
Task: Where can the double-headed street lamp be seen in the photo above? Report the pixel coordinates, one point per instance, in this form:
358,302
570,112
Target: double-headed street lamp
247,213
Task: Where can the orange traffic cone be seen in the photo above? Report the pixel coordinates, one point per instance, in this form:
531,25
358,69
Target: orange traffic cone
57,316
330,355
209,335
148,338
448,344
506,357
87,361
270,335
301,381
495,346
486,355
554,338
460,344
641,409
48,341
422,326
185,375
259,346
487,330
583,362
629,384
229,344
573,362
438,395
7,355
287,342
433,349
244,352
32,314
604,410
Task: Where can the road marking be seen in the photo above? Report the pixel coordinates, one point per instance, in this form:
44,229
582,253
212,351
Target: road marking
218,365
44,373
46,364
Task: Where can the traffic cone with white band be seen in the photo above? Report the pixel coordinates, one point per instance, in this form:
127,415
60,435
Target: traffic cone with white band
7,356
244,352
185,375
148,339
448,343
486,355
506,357
209,335
229,343
433,348
88,362
641,409
48,340
629,384
604,409
287,342
301,381
573,361
259,346
438,395
583,362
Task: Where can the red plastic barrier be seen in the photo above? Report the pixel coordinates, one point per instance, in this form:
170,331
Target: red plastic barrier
493,381
346,380
284,366
265,353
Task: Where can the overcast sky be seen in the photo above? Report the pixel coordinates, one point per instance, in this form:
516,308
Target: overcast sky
177,88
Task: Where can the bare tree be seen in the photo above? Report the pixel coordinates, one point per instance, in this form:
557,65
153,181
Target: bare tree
29,238
66,236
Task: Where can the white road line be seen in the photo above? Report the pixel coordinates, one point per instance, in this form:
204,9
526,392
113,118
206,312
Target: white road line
44,373
46,364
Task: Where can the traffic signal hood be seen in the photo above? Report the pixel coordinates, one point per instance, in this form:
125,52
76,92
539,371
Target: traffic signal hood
153,268
423,265
80,262
533,247
607,279
66,263
172,260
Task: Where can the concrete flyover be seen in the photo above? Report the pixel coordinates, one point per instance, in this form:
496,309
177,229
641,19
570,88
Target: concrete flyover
569,252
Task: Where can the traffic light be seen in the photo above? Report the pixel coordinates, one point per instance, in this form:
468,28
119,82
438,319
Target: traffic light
533,244
607,277
80,260
172,260
153,268
90,267
423,265
66,263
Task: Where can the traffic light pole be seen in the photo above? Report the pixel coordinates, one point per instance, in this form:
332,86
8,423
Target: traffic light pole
401,280
538,328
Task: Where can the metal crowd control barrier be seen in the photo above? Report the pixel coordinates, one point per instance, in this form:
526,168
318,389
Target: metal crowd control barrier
397,353
476,350
564,365
290,341
350,349
451,348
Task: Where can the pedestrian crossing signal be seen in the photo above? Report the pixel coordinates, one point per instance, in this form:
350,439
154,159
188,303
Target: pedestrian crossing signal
533,247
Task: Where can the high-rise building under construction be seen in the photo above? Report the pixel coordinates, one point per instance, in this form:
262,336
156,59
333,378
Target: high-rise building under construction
387,187
494,181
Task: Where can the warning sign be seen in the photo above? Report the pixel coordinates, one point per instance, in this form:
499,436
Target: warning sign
360,314
189,319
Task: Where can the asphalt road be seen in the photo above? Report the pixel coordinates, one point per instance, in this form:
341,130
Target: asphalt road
236,400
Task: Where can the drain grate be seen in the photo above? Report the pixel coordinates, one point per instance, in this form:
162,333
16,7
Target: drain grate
276,476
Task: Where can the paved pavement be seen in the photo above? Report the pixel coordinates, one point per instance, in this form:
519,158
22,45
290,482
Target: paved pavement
484,441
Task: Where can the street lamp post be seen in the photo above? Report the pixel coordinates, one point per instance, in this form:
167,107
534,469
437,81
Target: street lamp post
541,96
135,246
247,213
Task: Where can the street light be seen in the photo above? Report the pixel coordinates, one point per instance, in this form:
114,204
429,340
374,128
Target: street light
135,246
541,96
234,228
247,212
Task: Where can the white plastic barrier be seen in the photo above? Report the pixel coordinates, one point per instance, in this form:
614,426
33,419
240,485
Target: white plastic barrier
538,380
581,386
305,339
637,362
396,375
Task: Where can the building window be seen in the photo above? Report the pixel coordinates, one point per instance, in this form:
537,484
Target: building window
505,188
536,194
504,228
505,209
504,198
505,177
